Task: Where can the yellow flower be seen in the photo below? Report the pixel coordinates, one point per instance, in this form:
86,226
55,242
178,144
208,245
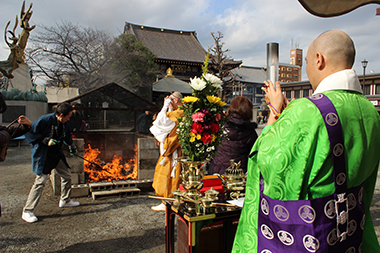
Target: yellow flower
216,100
221,103
213,137
190,99
192,137
213,99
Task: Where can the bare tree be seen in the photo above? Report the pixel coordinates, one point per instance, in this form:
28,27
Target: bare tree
69,54
220,63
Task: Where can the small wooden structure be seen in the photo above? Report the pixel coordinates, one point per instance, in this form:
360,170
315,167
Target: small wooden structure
112,106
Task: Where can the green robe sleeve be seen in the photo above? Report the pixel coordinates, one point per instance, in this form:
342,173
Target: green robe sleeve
295,161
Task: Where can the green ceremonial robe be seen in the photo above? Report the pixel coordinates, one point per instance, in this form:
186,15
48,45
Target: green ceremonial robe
295,160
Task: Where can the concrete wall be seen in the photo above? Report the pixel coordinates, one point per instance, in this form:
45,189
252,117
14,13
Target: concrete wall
57,95
33,109
148,155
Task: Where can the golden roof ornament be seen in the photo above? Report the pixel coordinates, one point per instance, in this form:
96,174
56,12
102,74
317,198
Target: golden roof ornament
169,72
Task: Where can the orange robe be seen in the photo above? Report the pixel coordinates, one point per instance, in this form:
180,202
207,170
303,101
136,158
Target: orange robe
163,183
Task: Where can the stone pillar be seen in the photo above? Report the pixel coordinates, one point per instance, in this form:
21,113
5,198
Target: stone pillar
148,155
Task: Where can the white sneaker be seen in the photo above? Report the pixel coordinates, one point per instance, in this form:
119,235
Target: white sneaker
68,204
29,217
159,208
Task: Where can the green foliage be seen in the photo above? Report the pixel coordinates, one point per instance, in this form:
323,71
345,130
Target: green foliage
16,94
205,63
132,62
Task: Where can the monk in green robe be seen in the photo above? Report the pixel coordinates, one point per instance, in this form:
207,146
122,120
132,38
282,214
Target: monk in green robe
294,155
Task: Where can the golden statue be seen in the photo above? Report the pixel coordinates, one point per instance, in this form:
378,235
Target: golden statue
17,44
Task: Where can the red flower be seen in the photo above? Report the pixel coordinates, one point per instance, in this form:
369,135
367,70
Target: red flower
197,127
206,137
214,127
218,117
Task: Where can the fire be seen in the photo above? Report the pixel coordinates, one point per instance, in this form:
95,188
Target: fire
114,170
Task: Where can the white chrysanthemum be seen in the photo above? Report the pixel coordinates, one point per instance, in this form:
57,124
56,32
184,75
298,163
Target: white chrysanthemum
197,83
215,81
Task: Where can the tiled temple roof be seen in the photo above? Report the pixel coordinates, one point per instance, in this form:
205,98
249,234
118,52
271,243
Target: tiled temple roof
173,45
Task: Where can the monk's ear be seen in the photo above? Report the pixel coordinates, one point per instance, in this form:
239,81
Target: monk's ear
320,61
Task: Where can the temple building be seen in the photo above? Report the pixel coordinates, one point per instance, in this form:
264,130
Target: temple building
178,50
247,82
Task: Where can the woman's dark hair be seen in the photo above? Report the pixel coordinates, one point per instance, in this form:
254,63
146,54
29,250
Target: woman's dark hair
64,108
242,106
3,105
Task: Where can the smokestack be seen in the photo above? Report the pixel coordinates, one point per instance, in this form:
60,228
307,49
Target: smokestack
272,62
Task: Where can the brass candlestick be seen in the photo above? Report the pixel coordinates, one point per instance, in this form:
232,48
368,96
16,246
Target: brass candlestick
191,175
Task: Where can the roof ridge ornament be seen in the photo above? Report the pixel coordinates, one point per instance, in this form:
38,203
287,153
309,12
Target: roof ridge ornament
169,73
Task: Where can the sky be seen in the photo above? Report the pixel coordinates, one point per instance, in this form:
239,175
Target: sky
247,25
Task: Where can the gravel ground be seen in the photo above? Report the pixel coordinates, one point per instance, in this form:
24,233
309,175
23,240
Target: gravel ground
107,224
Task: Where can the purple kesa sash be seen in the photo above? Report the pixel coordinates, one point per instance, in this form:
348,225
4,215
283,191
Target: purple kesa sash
333,223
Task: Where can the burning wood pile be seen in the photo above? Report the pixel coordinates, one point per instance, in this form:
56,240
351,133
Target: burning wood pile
130,161
99,171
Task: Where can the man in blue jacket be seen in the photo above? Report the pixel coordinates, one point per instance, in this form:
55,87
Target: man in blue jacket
46,137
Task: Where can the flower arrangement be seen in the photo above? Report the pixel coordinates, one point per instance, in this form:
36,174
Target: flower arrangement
201,129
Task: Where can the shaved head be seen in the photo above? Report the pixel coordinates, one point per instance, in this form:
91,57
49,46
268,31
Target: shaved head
330,52
337,47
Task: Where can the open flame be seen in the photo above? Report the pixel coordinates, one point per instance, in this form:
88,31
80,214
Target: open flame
114,170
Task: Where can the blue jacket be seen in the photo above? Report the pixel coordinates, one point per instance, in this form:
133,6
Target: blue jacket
40,129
